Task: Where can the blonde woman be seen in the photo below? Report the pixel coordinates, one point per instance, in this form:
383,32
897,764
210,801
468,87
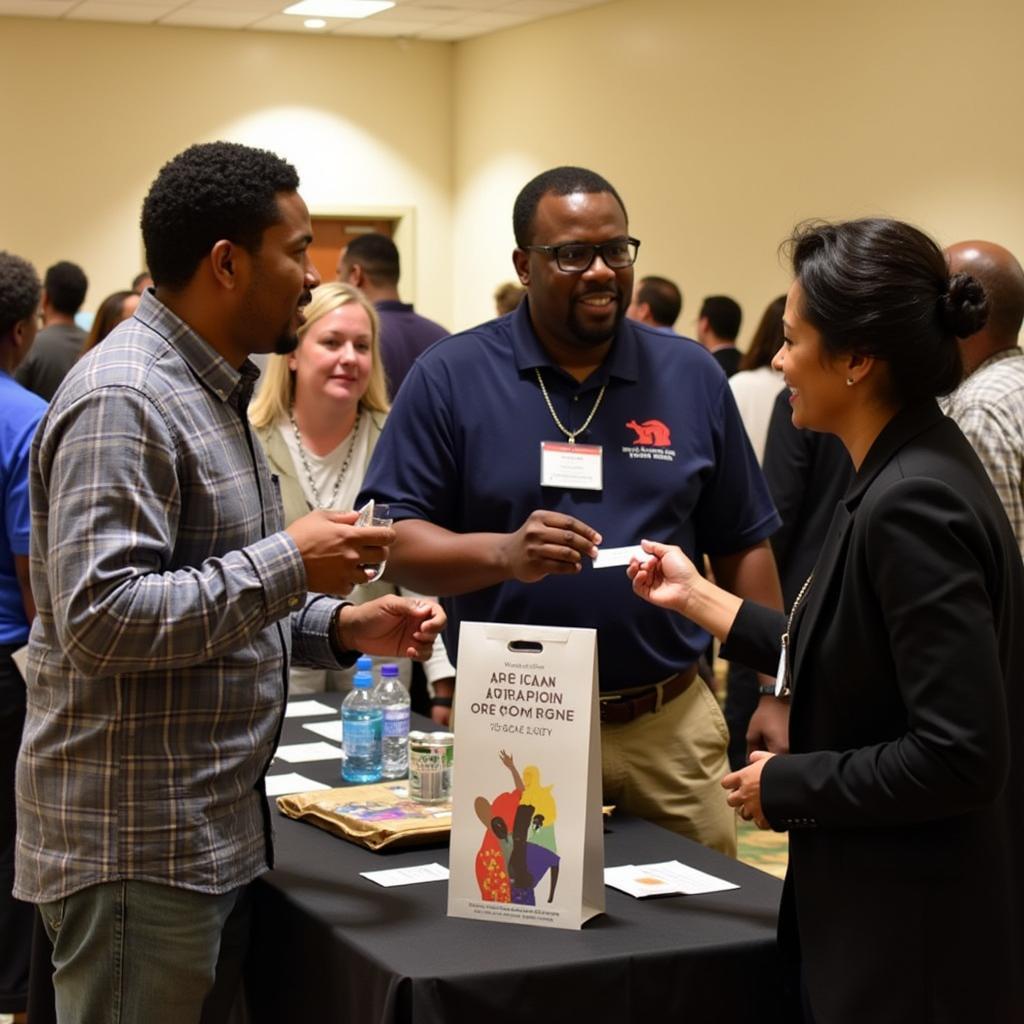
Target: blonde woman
318,414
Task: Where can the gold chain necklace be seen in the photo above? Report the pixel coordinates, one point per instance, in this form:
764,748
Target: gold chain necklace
344,466
570,434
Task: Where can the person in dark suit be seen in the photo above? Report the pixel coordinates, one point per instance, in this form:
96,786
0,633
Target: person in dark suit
904,654
718,326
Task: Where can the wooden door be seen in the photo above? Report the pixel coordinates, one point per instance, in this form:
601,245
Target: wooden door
332,234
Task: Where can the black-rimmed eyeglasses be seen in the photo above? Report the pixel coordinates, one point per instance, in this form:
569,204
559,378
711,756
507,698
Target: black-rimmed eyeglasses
576,257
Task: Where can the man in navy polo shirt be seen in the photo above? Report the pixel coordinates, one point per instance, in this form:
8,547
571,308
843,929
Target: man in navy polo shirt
508,534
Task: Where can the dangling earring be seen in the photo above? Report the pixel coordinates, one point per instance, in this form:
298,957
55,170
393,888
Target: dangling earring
849,382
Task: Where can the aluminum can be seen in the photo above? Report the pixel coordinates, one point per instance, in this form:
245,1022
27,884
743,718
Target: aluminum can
430,767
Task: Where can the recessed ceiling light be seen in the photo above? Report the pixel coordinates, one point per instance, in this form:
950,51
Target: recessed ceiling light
315,23
338,8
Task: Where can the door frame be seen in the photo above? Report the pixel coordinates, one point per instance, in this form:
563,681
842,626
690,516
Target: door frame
404,236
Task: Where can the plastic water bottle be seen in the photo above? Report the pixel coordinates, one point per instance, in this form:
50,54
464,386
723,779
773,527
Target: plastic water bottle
364,663
361,732
393,698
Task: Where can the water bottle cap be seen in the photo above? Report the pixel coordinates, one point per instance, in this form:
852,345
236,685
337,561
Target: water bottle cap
390,671
364,663
362,681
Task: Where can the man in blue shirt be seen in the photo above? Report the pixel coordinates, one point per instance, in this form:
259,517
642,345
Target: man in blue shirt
480,520
20,412
371,263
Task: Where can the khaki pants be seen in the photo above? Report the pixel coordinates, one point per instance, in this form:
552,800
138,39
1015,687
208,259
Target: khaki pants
667,767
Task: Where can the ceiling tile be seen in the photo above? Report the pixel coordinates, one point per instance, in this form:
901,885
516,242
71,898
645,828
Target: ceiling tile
429,15
371,27
210,17
289,23
265,7
452,32
426,19
36,8
459,6
97,10
538,8
489,20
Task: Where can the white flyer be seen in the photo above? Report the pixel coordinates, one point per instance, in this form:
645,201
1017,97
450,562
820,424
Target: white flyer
329,730
279,785
408,876
307,708
299,752
668,878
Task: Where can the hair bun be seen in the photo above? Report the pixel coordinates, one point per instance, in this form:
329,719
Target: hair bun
963,308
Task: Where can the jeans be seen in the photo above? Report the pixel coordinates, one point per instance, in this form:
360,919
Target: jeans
130,951
15,917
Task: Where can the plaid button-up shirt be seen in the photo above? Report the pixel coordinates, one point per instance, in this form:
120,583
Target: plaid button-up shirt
168,600
989,408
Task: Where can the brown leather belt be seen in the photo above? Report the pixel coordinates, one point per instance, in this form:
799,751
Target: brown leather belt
617,709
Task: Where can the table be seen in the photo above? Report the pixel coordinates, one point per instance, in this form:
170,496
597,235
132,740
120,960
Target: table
329,945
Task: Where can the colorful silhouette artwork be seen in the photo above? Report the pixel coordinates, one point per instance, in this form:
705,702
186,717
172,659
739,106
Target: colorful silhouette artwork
518,847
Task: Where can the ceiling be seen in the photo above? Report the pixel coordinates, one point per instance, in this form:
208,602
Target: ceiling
444,20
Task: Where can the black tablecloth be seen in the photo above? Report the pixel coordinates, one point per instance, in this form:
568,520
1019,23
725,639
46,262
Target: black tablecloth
329,945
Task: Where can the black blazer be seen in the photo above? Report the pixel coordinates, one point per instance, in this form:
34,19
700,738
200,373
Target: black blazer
904,790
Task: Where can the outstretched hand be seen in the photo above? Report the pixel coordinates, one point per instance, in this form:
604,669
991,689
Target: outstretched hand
391,626
548,542
667,578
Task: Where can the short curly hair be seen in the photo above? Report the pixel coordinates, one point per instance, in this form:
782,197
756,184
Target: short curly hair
209,192
20,290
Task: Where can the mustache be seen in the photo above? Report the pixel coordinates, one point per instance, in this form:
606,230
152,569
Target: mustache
600,289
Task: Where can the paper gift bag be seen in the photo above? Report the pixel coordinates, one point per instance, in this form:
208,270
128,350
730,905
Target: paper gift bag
527,843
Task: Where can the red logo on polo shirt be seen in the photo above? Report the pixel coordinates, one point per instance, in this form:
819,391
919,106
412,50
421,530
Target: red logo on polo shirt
651,432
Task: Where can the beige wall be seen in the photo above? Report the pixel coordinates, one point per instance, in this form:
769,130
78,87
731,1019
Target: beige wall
91,111
728,123
722,124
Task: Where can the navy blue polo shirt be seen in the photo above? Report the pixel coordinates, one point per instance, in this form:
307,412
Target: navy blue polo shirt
461,449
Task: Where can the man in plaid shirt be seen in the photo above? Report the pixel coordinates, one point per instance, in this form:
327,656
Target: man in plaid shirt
170,601
989,404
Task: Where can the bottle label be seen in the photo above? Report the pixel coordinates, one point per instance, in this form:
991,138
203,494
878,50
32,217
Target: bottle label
396,722
362,738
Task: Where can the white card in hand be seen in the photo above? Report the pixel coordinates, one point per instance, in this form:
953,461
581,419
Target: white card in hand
609,557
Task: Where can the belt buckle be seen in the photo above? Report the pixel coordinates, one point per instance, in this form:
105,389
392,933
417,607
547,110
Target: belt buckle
609,701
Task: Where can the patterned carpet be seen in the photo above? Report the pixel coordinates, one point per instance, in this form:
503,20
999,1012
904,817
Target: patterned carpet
768,851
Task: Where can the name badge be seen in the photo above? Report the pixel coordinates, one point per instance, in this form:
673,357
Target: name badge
573,466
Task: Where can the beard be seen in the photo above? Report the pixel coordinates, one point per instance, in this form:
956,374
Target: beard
287,342
594,337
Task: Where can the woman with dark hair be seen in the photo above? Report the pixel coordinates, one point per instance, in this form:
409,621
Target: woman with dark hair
903,652
113,309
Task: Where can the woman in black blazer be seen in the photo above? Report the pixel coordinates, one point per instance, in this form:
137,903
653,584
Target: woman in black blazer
903,790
